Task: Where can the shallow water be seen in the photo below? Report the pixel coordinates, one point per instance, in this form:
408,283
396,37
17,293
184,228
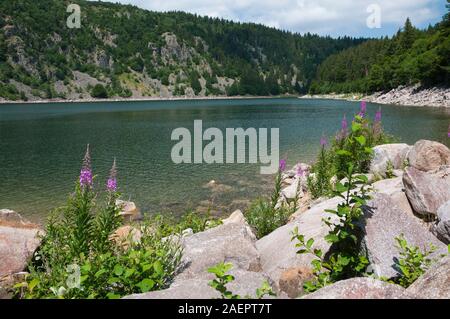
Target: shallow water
41,147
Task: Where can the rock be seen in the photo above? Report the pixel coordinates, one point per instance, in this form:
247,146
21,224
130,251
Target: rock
358,288
434,284
129,211
277,250
395,189
216,187
370,179
388,153
428,155
442,226
235,218
427,191
232,242
292,280
19,239
126,235
292,190
384,221
245,284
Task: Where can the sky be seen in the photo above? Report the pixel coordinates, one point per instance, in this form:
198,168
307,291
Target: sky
324,17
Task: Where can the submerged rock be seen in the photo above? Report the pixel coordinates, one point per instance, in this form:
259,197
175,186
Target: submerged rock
129,211
359,288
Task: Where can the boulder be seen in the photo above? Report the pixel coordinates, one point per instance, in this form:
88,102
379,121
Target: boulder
237,217
383,221
395,189
395,154
442,226
428,155
126,235
427,191
245,284
359,288
292,280
231,242
434,284
19,239
277,250
129,211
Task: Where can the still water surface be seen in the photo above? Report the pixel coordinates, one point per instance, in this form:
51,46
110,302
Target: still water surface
41,147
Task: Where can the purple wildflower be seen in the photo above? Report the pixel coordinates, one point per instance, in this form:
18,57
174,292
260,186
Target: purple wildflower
282,165
300,171
86,171
323,141
111,184
448,134
378,115
363,109
344,124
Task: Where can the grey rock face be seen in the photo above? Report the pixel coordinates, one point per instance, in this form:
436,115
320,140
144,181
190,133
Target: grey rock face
442,227
358,288
434,284
395,154
427,191
428,155
383,222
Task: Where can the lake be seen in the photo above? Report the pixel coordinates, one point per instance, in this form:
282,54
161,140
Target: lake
42,146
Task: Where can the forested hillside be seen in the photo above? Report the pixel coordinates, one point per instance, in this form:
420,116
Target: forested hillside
411,57
121,50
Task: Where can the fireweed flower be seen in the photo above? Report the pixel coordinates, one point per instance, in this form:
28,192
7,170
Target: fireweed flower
282,165
323,141
86,171
378,115
448,133
111,184
363,109
344,124
300,171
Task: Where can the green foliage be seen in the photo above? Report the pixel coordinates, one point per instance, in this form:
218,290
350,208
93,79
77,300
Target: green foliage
99,92
168,225
344,259
223,278
412,262
244,51
80,258
319,184
264,216
411,56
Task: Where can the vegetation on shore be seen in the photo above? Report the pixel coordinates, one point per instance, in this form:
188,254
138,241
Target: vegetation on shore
411,56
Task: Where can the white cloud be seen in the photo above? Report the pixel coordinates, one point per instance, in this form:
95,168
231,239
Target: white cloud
334,17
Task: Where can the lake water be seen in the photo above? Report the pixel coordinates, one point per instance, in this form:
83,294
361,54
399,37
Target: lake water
42,145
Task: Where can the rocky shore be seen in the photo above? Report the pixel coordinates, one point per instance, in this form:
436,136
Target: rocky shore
412,199
406,95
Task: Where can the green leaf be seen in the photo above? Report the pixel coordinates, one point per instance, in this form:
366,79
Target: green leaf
118,270
146,285
310,243
361,140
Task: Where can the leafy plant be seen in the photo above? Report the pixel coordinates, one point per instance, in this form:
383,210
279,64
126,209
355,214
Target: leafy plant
344,259
80,258
412,262
222,279
264,215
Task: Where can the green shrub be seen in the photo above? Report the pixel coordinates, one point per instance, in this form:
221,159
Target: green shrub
223,278
344,259
79,258
264,216
99,92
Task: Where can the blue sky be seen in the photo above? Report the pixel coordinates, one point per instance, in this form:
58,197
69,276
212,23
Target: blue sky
325,17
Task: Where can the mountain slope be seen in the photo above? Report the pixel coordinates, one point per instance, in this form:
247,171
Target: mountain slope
121,50
411,57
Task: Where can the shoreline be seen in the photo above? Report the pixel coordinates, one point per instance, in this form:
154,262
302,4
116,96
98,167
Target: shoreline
150,99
